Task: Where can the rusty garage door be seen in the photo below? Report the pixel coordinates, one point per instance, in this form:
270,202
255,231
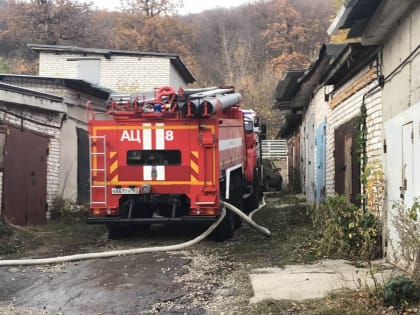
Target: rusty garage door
347,161
25,177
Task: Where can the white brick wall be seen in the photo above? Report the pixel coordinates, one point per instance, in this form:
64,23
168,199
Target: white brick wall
343,113
308,153
52,65
317,111
125,74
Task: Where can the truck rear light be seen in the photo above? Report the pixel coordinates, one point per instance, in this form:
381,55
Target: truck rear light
204,211
104,211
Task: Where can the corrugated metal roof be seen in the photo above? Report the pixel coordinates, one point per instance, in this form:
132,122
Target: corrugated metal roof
348,63
175,59
360,13
287,87
295,94
292,123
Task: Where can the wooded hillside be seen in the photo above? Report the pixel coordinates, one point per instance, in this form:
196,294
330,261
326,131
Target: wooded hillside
248,46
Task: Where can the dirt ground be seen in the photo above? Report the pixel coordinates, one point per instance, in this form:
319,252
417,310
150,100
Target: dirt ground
208,278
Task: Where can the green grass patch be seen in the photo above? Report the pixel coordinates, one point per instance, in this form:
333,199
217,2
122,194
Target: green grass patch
66,235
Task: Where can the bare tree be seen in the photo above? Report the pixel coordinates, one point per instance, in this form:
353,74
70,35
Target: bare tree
151,7
47,21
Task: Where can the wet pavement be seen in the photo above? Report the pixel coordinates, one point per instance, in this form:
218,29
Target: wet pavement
121,285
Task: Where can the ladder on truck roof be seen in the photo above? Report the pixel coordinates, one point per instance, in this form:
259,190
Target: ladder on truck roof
98,174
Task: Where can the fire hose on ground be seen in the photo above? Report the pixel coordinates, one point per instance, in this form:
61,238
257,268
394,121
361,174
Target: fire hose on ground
133,251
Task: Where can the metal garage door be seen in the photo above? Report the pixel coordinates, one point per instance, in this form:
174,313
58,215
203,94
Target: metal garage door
25,177
347,161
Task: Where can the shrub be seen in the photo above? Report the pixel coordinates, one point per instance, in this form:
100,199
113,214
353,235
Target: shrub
346,231
400,290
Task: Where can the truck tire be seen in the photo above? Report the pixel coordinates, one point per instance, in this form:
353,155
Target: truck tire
236,199
231,221
254,199
225,229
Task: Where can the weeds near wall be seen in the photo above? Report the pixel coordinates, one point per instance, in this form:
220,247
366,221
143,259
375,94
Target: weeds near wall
63,207
346,230
361,142
407,223
374,192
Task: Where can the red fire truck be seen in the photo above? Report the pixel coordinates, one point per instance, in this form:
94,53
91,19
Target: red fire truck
171,157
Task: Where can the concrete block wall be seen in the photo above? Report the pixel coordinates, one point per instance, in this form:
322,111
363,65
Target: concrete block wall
175,79
348,109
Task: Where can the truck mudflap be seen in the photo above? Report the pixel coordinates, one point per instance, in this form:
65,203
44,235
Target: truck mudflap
153,220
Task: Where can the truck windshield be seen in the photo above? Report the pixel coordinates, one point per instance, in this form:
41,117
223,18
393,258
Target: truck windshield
154,157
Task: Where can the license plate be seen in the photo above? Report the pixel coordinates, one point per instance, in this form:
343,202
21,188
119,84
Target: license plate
125,191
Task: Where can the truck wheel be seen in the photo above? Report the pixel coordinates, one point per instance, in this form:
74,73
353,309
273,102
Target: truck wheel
231,221
225,229
236,200
119,231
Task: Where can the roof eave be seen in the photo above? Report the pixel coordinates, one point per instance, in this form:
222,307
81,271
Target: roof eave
372,25
75,84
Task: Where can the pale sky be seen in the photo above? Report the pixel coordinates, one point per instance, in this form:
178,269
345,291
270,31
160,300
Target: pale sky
190,6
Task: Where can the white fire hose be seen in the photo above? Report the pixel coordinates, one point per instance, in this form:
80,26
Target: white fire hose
114,253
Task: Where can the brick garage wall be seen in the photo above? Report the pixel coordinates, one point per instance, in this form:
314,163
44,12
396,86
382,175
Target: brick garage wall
317,111
44,118
351,98
131,74
125,74
308,154
56,65
75,104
